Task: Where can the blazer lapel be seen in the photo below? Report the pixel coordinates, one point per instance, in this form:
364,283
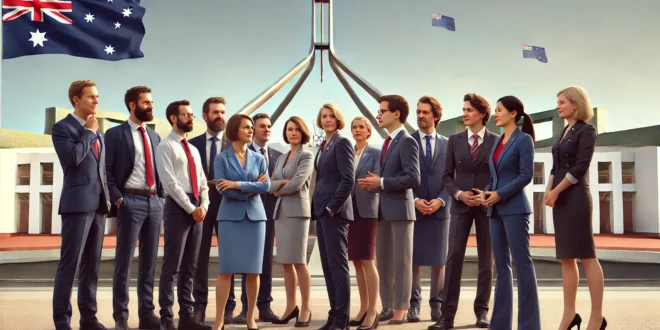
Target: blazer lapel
233,159
421,145
485,146
576,127
101,146
508,145
366,154
439,149
128,136
328,147
391,147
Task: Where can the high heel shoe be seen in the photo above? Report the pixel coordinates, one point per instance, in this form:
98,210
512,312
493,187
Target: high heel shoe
397,322
577,320
301,324
294,314
356,322
246,324
372,327
604,324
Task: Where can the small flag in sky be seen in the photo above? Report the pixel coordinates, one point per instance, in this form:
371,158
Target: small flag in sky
109,30
443,21
534,52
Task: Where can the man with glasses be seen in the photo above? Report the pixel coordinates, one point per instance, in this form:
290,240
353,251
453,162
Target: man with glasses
180,171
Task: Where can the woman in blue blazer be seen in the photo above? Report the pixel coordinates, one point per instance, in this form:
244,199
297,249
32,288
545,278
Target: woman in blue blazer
511,170
241,176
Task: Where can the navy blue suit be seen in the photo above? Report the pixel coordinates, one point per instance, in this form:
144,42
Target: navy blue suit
334,183
509,231
84,207
139,218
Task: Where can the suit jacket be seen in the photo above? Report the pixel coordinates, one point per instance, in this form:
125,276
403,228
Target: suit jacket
200,143
430,176
84,174
460,174
400,173
268,199
334,178
120,152
513,171
298,171
367,201
572,155
236,203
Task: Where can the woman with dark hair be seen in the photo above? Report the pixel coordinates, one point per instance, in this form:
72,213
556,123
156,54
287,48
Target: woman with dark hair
511,170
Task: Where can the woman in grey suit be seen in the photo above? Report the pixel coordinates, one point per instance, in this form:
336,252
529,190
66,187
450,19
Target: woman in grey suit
291,179
362,232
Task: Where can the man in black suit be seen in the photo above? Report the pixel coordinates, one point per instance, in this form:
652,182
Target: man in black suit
466,172
262,127
136,195
209,144
84,206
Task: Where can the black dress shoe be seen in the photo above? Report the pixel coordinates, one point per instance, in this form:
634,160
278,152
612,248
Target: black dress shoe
192,323
303,324
200,315
397,322
356,323
122,324
482,321
167,324
442,324
294,314
371,327
94,326
229,317
436,313
267,315
240,318
413,314
149,322
386,314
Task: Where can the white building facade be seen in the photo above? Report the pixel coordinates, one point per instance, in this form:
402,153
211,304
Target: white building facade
625,189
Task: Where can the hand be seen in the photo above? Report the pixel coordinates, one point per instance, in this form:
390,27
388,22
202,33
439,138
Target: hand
199,214
423,207
551,198
332,214
118,203
283,182
489,198
371,182
469,199
224,185
92,123
262,178
435,204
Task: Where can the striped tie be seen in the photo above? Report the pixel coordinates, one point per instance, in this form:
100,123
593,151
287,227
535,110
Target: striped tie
474,149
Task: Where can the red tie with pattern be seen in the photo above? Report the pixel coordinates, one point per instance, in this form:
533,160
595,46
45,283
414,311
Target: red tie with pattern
147,158
96,149
192,168
387,143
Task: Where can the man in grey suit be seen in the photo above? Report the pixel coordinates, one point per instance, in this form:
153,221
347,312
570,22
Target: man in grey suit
466,170
431,199
209,144
399,176
135,192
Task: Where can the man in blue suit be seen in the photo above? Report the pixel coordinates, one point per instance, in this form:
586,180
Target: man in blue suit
84,206
135,192
431,230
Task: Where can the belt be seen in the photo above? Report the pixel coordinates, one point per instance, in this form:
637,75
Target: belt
140,191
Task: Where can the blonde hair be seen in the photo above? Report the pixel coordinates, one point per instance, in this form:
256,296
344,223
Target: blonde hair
579,97
366,123
335,111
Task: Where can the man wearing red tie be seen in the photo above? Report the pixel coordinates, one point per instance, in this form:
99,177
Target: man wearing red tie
136,197
180,172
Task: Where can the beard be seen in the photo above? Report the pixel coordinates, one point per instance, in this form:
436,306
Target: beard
186,127
144,114
217,125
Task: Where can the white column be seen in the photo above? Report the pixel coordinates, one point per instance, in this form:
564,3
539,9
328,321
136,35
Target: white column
617,193
35,195
58,178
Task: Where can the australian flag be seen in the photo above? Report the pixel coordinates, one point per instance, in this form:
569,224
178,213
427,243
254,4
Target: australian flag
109,30
443,21
535,52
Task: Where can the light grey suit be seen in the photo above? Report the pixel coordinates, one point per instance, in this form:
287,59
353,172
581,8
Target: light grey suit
292,212
367,201
394,243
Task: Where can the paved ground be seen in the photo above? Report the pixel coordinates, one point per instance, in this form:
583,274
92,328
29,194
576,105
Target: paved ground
625,308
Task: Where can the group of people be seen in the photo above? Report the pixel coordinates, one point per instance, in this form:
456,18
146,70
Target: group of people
390,211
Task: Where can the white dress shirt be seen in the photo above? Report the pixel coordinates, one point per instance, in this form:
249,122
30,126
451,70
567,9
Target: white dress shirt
218,148
422,138
392,136
469,133
258,149
138,178
173,172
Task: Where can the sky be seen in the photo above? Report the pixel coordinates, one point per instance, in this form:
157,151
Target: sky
238,48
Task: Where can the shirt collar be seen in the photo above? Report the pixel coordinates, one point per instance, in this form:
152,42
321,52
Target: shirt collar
133,125
80,120
257,147
481,133
176,137
209,136
396,132
423,135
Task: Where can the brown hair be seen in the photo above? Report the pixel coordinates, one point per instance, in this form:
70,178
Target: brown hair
436,107
76,88
397,103
173,109
306,135
234,124
212,100
480,103
133,94
336,111
260,116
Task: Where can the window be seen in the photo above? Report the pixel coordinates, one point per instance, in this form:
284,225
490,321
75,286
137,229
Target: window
46,212
23,212
628,172
604,172
23,175
628,212
539,177
539,213
605,212
47,174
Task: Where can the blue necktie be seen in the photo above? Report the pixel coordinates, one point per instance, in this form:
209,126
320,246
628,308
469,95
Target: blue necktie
429,152
213,153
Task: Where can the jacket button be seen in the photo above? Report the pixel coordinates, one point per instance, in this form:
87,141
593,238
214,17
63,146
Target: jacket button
567,165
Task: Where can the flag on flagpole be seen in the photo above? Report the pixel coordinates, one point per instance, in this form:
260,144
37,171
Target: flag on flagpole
443,21
534,52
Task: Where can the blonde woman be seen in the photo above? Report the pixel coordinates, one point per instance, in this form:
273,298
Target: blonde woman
362,232
569,195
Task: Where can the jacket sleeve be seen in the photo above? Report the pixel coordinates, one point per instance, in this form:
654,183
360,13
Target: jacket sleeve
410,160
526,165
345,157
69,151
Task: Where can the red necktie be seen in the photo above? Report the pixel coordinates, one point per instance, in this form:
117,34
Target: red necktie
96,149
387,143
192,168
147,158
323,144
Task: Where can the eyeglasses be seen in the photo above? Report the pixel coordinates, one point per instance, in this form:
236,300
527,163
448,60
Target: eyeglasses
187,115
382,111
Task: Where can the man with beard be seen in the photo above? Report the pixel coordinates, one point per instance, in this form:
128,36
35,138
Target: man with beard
209,144
135,193
184,182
